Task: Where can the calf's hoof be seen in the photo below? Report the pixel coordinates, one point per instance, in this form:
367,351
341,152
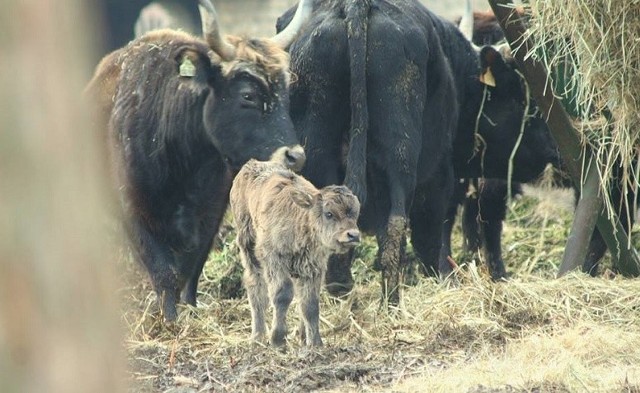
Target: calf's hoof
339,289
278,337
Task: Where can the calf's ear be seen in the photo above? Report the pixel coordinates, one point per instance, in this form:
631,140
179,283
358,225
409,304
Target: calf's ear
302,198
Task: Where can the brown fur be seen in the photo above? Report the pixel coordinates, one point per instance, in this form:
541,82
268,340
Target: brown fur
260,56
284,235
102,87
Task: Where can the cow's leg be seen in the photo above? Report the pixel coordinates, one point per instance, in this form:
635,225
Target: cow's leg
470,228
281,293
159,261
430,230
492,195
208,228
420,227
308,292
339,280
391,243
193,264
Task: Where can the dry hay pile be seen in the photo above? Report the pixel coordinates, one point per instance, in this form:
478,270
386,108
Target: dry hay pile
593,48
568,335
573,334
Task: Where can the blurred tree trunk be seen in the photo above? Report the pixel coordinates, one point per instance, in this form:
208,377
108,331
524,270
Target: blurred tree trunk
59,330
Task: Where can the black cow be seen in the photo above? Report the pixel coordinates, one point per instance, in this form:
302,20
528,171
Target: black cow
399,87
183,115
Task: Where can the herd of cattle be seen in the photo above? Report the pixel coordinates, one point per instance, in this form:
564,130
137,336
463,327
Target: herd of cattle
384,108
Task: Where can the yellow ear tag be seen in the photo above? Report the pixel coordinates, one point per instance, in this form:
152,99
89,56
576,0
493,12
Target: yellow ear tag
187,68
487,78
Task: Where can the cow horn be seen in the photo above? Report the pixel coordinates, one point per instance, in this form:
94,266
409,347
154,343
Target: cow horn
466,22
211,31
286,36
504,49
466,25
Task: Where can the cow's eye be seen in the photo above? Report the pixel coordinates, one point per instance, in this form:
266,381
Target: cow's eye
329,215
250,97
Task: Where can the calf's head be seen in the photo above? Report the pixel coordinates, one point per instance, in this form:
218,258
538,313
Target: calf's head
335,211
247,112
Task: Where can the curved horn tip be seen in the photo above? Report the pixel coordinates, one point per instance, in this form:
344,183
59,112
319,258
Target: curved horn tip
211,31
286,36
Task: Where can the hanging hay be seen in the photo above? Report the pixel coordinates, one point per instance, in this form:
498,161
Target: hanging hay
593,50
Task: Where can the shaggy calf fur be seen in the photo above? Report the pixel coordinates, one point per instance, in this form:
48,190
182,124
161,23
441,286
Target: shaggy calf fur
286,231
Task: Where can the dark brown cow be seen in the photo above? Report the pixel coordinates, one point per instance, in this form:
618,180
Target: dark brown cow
286,231
183,114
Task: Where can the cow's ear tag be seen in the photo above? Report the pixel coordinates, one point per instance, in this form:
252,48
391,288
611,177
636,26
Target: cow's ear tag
187,69
487,78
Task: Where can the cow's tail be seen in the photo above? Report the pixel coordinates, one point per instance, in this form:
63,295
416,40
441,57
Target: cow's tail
356,17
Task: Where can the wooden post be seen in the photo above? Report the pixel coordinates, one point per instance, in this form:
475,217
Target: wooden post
584,222
566,137
59,323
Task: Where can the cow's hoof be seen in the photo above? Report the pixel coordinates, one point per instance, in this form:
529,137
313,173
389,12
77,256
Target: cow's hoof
338,289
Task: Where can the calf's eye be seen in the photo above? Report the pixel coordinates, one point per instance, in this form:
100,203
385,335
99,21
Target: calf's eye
329,215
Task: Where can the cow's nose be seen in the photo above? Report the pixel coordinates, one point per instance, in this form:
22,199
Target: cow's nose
295,157
353,236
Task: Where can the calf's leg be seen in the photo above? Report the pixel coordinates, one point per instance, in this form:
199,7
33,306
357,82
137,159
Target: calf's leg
492,212
256,287
253,278
308,292
281,294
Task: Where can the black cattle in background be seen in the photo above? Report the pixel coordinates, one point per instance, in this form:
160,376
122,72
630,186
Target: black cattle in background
484,206
484,209
386,100
180,122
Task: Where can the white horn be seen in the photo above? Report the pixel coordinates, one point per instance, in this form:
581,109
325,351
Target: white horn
286,36
504,49
466,22
211,31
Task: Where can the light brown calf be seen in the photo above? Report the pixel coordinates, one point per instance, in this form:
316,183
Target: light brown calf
286,231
